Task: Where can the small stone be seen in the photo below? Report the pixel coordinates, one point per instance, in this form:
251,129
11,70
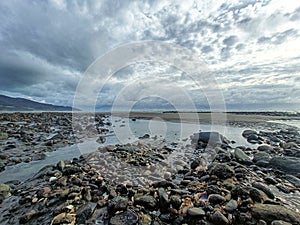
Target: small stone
240,155
4,191
61,165
196,211
52,179
222,170
163,199
175,201
219,219
265,148
117,204
216,199
261,222
231,205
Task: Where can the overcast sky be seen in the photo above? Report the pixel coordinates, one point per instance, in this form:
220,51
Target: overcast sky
251,48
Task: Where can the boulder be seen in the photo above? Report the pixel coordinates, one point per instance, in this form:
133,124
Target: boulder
212,138
286,164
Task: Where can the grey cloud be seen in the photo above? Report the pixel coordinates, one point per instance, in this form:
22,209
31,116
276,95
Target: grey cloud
278,38
230,40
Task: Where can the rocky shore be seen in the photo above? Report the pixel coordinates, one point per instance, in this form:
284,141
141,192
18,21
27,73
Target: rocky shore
141,183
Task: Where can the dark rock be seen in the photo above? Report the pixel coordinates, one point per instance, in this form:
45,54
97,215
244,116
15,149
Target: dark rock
286,164
269,213
211,138
163,199
117,204
219,219
147,201
257,195
264,188
261,156
265,148
126,218
84,212
175,201
247,133
222,170
293,180
216,199
39,156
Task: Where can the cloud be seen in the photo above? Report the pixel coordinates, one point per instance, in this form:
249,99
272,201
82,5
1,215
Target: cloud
250,47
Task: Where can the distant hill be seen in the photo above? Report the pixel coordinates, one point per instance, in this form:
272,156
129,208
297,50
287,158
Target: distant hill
22,104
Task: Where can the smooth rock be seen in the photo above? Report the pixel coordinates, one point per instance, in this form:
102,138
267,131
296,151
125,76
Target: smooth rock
222,170
264,188
265,148
117,204
212,138
231,205
280,222
219,219
269,213
216,199
163,199
286,164
196,211
293,180
240,155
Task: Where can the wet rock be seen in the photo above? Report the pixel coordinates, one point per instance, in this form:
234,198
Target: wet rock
286,164
39,156
257,195
222,170
259,156
175,201
61,165
196,211
126,218
269,213
264,188
261,222
247,133
293,180
148,201
85,212
211,138
240,155
219,219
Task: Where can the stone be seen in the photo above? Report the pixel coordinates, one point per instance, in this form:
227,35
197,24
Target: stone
269,213
264,188
3,136
293,180
117,204
163,199
231,205
211,138
265,148
39,156
240,155
126,218
195,211
219,219
257,195
84,212
280,222
4,191
222,170
261,156
175,201
148,201
247,133
61,165
261,222
216,199
286,164
63,218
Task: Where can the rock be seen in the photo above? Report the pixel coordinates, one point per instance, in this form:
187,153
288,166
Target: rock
269,213
257,195
261,222
4,191
259,156
196,211
265,148
293,180
216,199
39,156
264,188
126,218
231,205
84,212
117,204
175,201
64,218
61,165
147,201
219,219
195,164
240,155
3,136
252,138
163,199
247,133
211,138
280,222
222,170
286,164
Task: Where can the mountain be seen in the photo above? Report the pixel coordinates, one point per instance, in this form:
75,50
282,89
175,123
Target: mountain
22,104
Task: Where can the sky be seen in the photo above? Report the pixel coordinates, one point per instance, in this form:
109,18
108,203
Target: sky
250,49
